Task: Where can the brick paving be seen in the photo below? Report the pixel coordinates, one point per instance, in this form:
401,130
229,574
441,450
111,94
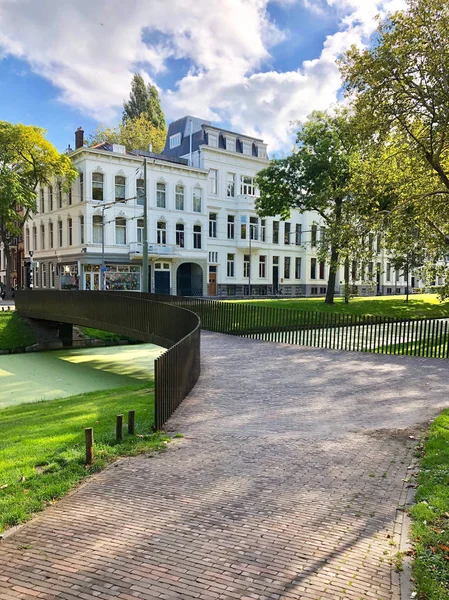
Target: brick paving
285,486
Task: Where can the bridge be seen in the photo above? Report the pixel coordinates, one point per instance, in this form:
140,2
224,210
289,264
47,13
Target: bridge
138,316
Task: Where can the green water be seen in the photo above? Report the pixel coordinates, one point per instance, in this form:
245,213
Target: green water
57,374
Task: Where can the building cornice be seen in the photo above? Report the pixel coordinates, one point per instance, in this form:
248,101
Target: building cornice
263,161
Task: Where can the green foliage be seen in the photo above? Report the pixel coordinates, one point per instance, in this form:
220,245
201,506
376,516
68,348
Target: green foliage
430,515
399,87
27,160
42,445
134,134
14,331
317,177
144,101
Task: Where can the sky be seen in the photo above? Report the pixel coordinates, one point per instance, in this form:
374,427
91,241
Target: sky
252,66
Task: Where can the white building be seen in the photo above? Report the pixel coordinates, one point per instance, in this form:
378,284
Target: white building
204,235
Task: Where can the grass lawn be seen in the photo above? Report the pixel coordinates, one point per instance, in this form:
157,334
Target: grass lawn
42,445
99,334
418,306
430,514
14,331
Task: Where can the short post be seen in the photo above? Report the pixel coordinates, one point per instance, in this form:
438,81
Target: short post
89,433
131,420
119,428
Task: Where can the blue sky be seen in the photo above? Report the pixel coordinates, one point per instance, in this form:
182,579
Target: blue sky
248,65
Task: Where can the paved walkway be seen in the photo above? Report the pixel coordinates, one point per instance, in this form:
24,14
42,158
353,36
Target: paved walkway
285,486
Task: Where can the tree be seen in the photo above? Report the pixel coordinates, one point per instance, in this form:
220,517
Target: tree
400,92
27,160
144,101
316,178
135,134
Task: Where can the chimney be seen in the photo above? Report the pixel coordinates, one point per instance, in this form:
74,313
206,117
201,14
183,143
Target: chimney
79,138
150,147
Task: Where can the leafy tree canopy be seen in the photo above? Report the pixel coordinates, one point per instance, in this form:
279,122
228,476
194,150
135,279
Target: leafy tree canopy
144,100
27,160
316,177
135,134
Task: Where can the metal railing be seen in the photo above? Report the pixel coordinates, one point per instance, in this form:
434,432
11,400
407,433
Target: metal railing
361,333
173,327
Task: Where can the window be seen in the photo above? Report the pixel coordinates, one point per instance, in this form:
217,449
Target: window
371,242
120,188
275,232
230,185
212,225
50,234
298,268
120,231
247,185
97,186
161,232
262,266
243,227
254,228
34,238
287,267
246,265
179,197
42,207
298,234
322,269
197,200
212,140
59,194
197,237
161,192
354,271
69,196
370,271
69,232
322,234
230,264
44,276
52,275
81,223
262,230
175,140
28,239
378,244
231,227
60,242
313,236
213,181
140,192
139,231
388,272
97,229
213,258
50,198
398,275
81,186
313,268
180,235
286,233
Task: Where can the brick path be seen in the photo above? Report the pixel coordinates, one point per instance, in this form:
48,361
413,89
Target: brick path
285,486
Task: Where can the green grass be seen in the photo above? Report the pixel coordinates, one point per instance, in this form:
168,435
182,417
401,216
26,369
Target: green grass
99,334
42,445
430,514
14,331
428,347
418,306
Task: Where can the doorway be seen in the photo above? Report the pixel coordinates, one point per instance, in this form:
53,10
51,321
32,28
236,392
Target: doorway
212,289
189,280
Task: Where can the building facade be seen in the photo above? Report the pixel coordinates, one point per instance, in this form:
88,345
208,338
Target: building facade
204,235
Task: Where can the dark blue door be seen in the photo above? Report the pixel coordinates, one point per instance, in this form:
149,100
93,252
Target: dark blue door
162,282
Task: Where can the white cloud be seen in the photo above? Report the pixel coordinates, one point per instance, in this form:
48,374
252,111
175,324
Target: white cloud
90,50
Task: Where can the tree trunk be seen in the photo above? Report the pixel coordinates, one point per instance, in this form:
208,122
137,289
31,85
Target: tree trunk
8,289
347,287
332,277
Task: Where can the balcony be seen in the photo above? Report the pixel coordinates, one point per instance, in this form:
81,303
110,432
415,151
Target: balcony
136,250
246,200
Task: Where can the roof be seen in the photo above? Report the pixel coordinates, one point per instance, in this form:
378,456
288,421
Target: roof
133,153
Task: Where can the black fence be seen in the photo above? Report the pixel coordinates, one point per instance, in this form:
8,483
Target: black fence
361,333
139,316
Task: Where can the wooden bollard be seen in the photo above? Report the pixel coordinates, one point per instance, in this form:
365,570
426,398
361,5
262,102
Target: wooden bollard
119,428
131,420
89,433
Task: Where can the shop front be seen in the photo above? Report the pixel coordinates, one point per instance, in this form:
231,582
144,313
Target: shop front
68,276
117,277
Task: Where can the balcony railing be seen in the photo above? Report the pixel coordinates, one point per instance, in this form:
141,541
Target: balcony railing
136,249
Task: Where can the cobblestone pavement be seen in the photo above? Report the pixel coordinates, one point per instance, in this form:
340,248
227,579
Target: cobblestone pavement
285,486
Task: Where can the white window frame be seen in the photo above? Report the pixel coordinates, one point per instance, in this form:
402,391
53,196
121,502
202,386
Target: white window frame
175,140
213,181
